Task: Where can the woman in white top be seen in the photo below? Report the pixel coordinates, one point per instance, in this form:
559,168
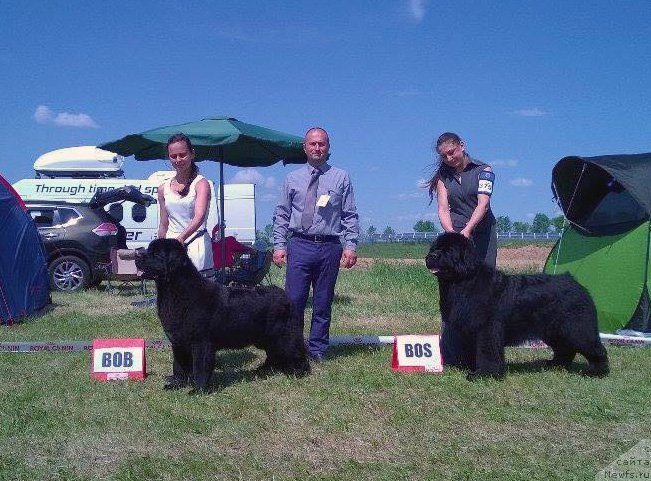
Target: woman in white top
184,201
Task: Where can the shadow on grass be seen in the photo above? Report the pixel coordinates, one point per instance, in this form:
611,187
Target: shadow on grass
525,367
42,312
231,369
542,365
342,300
231,366
224,379
124,288
236,359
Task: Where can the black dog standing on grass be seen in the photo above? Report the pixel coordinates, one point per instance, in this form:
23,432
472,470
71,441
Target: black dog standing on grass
492,310
199,317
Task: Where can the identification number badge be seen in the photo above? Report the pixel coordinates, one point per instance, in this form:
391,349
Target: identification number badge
486,179
485,187
323,200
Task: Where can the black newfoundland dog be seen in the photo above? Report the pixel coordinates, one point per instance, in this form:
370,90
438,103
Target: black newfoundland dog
199,317
490,310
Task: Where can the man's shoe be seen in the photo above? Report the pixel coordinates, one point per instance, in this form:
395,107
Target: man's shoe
317,358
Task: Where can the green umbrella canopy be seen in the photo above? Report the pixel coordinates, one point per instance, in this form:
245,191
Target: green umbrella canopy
220,139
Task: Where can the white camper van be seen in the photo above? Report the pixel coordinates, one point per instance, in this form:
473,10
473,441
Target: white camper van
75,174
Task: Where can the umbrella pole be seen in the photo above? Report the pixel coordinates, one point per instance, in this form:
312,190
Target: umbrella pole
222,225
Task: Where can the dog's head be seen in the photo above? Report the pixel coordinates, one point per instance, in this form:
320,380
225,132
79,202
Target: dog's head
164,259
452,256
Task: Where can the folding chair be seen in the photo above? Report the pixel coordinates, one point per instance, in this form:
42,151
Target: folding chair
251,269
124,270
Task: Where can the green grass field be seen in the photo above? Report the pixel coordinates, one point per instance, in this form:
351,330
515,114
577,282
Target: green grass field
394,250
351,419
418,250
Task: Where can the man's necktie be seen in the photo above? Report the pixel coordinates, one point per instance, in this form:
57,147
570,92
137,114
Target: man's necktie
310,201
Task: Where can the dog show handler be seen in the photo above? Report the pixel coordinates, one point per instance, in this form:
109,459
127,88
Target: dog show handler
184,201
463,187
315,215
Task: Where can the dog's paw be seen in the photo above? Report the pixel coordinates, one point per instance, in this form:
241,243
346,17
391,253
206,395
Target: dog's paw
196,391
175,382
597,371
473,376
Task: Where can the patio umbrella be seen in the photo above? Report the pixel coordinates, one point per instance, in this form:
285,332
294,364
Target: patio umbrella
220,139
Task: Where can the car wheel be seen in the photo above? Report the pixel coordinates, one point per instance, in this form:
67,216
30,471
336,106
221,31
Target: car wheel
69,273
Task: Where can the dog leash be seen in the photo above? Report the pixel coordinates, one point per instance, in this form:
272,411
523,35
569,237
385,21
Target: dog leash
194,237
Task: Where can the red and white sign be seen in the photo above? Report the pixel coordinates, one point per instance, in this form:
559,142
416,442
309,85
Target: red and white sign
417,353
119,359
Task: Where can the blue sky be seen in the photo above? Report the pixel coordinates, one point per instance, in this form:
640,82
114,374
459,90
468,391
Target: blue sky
524,83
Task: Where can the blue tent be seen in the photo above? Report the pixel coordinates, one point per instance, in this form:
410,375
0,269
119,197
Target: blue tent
24,287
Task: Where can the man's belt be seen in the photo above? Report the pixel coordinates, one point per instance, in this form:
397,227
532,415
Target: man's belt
317,237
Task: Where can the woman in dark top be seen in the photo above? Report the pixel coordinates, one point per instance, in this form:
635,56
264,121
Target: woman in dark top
463,187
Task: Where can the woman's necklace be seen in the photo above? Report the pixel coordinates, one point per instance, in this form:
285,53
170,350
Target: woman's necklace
183,187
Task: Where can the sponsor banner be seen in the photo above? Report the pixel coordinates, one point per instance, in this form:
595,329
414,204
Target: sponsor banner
68,346
619,340
34,346
361,339
608,339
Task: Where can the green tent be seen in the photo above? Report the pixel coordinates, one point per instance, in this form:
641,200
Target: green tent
607,203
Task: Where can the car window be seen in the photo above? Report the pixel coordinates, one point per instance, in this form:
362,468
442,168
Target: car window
138,212
66,215
42,217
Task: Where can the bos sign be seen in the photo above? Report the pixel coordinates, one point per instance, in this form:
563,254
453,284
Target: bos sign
116,359
417,353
